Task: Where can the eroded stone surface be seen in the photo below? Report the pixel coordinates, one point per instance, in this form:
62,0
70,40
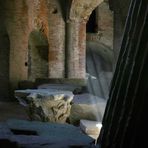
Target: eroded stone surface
46,105
64,87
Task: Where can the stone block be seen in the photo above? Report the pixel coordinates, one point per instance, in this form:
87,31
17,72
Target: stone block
53,135
90,127
46,105
87,106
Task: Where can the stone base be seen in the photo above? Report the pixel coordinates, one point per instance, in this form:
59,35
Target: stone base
91,128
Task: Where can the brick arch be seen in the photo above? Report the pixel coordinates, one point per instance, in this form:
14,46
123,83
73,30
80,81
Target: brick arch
81,10
76,31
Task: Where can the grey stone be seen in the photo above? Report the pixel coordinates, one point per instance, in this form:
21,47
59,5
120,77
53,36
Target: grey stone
65,87
46,105
5,133
48,134
22,94
91,128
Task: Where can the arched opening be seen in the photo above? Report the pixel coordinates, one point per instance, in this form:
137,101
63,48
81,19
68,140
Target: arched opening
98,68
92,26
99,64
4,64
99,51
37,56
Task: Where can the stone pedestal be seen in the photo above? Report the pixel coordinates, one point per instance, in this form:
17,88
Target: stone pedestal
46,105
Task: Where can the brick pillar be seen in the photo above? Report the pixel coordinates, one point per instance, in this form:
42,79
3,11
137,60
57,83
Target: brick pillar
75,49
56,41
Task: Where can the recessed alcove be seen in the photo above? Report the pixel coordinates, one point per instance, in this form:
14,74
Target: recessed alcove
37,55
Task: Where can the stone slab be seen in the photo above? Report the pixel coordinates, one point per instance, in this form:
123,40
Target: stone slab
48,134
21,95
90,127
46,105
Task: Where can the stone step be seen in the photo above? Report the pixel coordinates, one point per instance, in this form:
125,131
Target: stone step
21,95
91,128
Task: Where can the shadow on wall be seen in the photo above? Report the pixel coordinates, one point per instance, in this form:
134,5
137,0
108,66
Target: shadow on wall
4,64
37,56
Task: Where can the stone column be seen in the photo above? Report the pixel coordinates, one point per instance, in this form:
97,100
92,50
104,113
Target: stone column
75,49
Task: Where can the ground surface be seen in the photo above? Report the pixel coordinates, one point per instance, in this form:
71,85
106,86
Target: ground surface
10,110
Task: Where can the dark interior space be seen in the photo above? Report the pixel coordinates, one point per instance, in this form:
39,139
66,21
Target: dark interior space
91,26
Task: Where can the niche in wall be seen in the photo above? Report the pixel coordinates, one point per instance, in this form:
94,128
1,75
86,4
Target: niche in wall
37,55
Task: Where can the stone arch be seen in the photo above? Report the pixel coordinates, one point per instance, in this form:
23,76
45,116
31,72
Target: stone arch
37,55
82,9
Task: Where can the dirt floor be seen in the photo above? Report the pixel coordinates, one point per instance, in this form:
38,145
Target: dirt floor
12,110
